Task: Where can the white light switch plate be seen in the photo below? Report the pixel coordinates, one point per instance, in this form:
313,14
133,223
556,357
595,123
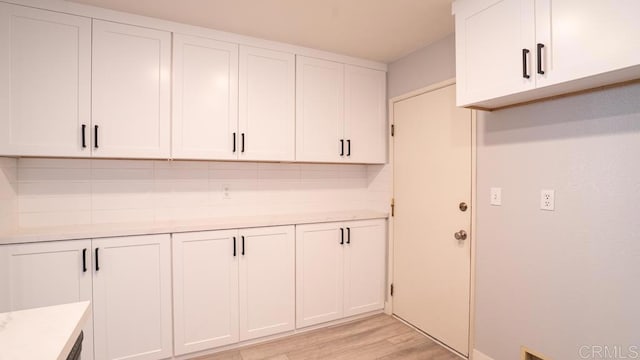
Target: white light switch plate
496,196
547,200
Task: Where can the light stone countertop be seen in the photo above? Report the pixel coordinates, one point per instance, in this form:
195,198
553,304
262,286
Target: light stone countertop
46,333
167,227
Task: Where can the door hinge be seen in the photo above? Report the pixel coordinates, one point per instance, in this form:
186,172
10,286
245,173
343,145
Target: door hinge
391,290
393,130
393,207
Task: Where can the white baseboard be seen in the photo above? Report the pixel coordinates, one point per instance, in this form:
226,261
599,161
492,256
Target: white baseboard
477,355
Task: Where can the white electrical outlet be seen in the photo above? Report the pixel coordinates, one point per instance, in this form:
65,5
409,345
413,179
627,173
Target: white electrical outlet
226,192
496,196
547,200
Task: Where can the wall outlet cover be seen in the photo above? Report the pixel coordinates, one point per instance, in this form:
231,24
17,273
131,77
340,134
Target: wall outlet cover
496,196
547,200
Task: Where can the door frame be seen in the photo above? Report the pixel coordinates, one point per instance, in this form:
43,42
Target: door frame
388,309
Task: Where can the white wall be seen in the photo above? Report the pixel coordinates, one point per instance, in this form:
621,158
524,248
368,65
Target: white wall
54,192
429,65
555,281
8,195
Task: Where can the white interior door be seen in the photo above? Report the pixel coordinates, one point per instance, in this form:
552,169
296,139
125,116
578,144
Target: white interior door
205,294
205,98
267,281
319,110
47,274
267,104
432,176
132,298
45,82
319,273
364,266
130,91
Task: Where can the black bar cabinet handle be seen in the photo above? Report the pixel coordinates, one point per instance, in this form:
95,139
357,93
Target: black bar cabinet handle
242,150
348,148
95,134
540,47
525,73
84,136
348,235
234,142
234,246
341,147
97,260
84,260
341,236
242,245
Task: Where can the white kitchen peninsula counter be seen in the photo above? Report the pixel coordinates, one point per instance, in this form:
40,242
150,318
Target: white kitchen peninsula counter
46,333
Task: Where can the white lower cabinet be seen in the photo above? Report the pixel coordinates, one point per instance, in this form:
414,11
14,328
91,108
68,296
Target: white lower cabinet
228,285
132,297
267,281
339,270
205,290
232,285
47,274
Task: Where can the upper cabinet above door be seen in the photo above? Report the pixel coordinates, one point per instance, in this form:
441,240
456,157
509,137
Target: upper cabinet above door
582,38
267,105
494,51
131,91
205,99
45,82
516,51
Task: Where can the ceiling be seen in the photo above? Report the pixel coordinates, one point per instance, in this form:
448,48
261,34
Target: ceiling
380,30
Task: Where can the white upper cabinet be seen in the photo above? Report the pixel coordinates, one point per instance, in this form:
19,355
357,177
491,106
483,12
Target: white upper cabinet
340,112
45,82
365,115
494,51
131,91
132,297
267,105
582,38
205,99
512,51
267,281
319,110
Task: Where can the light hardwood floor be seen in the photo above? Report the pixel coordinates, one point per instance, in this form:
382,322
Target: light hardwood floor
376,337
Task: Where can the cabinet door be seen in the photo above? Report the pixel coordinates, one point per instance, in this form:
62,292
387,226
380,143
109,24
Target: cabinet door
490,38
319,110
45,82
319,273
205,294
584,38
267,93
130,91
364,275
365,115
267,281
47,274
205,98
132,297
